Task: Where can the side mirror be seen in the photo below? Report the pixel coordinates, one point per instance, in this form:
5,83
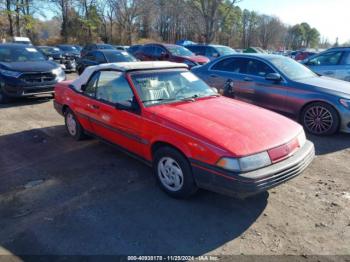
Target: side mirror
83,87
273,77
126,105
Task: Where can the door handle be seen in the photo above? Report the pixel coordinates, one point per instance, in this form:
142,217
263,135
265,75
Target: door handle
247,79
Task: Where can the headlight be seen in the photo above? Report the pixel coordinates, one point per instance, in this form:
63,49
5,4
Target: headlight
60,75
189,63
301,138
244,164
345,102
10,73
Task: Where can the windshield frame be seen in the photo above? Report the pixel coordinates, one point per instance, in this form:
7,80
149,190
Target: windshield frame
132,83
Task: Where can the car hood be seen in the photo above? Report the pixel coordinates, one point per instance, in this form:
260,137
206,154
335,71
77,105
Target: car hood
37,66
330,85
197,59
236,127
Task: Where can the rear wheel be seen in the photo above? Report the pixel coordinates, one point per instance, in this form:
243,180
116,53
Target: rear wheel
173,173
73,127
320,119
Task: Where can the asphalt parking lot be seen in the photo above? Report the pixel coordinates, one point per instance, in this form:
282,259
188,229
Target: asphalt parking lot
62,197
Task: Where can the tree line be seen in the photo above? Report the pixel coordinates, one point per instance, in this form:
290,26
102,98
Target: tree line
139,21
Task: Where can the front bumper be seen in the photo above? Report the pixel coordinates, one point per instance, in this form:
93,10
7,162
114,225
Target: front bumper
250,183
23,91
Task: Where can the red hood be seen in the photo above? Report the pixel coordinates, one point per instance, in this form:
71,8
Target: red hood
197,59
234,126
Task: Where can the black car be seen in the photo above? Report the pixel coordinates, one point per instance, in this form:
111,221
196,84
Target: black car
103,56
91,47
24,71
51,52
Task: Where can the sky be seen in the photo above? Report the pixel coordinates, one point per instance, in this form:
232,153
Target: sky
330,17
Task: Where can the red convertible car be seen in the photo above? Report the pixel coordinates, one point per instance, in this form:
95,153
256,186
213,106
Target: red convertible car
192,137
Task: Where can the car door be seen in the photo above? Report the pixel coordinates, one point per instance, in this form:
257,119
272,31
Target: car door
99,57
84,106
146,53
344,70
222,71
120,127
257,90
326,64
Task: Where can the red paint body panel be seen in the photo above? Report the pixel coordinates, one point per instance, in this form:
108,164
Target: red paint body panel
205,130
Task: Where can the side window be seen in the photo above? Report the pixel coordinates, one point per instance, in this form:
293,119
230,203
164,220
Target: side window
330,58
91,86
90,56
258,68
113,87
99,57
346,60
234,65
148,50
157,51
209,51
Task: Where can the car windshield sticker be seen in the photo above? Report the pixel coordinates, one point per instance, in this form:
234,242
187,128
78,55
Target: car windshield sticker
189,76
31,50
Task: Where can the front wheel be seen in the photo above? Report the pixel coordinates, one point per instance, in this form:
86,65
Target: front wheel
173,173
320,119
73,127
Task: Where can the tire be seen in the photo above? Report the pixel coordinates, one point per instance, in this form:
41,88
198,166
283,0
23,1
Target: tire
73,127
320,119
173,173
4,99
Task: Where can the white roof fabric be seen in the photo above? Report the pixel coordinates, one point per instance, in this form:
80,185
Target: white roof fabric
124,66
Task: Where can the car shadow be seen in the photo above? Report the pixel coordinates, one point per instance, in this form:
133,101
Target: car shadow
24,101
329,144
62,197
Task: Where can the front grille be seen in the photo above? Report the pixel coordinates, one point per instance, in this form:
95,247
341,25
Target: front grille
37,90
33,78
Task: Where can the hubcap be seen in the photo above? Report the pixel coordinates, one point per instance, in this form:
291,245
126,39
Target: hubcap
71,124
318,119
170,174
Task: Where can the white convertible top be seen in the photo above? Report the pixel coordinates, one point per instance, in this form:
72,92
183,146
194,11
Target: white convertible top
124,66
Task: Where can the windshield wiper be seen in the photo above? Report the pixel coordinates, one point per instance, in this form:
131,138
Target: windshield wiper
157,100
190,98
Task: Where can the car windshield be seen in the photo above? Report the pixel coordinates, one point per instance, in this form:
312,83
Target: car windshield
292,69
169,86
68,48
113,57
225,50
20,54
179,51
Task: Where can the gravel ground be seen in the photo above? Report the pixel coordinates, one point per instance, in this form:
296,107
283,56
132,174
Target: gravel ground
62,197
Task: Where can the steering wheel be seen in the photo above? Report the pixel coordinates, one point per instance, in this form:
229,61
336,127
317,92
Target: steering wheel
181,90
